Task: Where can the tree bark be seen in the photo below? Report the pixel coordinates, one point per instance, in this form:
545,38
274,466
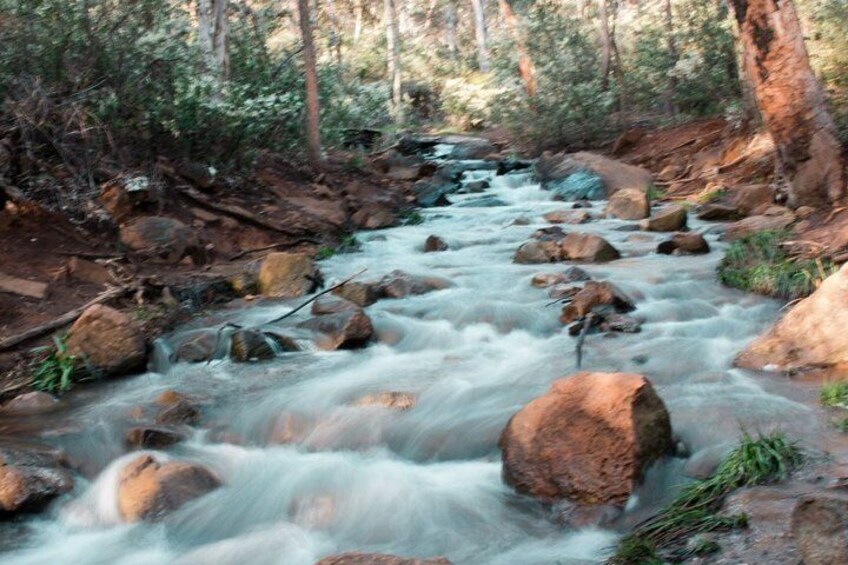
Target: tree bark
214,37
480,34
791,102
450,27
313,108
671,47
357,24
606,44
394,68
526,68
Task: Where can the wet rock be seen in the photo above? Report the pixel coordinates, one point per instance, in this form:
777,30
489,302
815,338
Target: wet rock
176,409
360,293
435,243
466,147
108,340
588,440
811,334
393,400
474,187
378,559
570,275
718,213
521,221
345,330
820,528
511,165
88,271
152,437
581,204
562,291
740,229
374,216
592,295
149,490
245,283
629,204
567,217
483,202
684,243
533,252
552,233
619,323
671,218
197,347
30,488
613,175
250,345
30,403
288,275
158,239
587,247
332,305
399,284
432,193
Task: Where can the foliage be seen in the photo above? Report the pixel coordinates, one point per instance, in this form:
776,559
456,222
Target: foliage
756,461
56,370
348,245
834,394
758,263
411,217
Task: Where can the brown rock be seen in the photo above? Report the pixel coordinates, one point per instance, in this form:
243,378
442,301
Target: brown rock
25,488
176,409
587,247
360,293
198,174
250,345
435,243
572,274
749,198
812,334
684,243
23,287
149,490
553,233
752,224
614,174
671,172
399,284
592,295
378,559
159,239
107,339
588,440
567,217
820,528
332,305
533,252
88,271
287,275
718,213
374,216
671,218
393,400
29,403
197,348
152,437
345,330
122,196
629,204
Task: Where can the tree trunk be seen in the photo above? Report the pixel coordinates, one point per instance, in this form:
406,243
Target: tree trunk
393,47
214,36
357,25
450,27
335,35
480,34
791,101
606,44
671,47
526,69
313,109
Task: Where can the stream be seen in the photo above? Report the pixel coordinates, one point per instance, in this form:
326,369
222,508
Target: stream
426,481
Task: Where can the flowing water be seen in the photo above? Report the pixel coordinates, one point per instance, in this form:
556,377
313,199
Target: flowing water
425,481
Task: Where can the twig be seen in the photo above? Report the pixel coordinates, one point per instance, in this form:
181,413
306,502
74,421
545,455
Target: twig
63,320
91,255
313,299
241,254
587,325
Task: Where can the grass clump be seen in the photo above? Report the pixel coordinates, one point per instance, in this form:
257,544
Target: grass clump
348,245
755,461
834,394
55,370
411,218
758,263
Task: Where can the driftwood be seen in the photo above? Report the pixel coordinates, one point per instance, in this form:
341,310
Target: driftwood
246,252
63,320
588,322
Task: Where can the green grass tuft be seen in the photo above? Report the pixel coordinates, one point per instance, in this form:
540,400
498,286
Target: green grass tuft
694,511
834,394
348,245
411,218
758,263
57,369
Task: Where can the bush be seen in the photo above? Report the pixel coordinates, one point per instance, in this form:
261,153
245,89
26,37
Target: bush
834,394
56,370
758,263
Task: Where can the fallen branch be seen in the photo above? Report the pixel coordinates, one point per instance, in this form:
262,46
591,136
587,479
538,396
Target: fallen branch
63,320
588,322
246,252
91,255
313,299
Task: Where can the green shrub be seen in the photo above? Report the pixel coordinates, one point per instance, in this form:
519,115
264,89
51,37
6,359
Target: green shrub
834,394
56,371
694,511
758,263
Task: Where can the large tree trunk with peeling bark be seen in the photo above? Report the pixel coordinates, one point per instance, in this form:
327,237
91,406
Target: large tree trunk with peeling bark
393,56
526,68
214,37
791,101
481,34
313,109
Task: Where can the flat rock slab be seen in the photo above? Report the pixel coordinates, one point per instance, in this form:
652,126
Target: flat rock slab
23,287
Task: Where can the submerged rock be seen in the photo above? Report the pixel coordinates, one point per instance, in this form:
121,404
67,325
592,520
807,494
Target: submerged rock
567,217
288,275
108,340
587,247
533,252
31,476
250,345
435,243
589,439
593,295
346,330
378,559
393,400
399,284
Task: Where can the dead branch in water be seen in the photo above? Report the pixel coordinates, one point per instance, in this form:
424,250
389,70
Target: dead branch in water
588,321
313,299
63,320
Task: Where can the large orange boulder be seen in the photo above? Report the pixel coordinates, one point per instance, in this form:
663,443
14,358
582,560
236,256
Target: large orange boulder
287,275
588,440
629,204
107,340
814,333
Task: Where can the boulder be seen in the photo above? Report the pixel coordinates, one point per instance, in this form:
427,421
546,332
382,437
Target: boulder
332,305
433,193
108,340
152,437
570,275
122,196
820,528
684,243
467,147
435,243
196,347
374,216
718,213
629,204
250,345
553,233
378,559
671,218
399,284
288,275
592,295
393,400
360,293
567,217
149,490
812,334
587,247
533,252
30,403
746,199
31,475
553,169
751,224
588,440
174,408
158,239
345,330
88,271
